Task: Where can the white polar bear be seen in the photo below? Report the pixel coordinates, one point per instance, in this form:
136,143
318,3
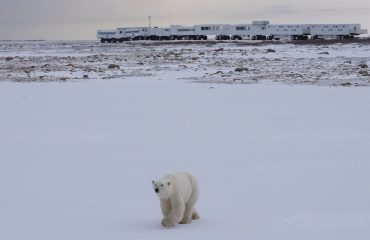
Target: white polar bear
177,194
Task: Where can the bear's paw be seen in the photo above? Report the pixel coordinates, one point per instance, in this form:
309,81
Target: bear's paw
167,222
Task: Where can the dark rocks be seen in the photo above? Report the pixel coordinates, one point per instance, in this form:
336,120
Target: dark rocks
346,84
241,69
324,53
295,75
113,66
364,72
270,50
363,65
7,59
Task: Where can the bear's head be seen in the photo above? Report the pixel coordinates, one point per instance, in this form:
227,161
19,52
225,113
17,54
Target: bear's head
163,188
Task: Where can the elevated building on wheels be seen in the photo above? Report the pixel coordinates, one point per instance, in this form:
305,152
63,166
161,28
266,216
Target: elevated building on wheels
257,30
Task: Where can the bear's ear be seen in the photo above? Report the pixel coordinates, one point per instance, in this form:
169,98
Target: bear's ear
152,181
168,183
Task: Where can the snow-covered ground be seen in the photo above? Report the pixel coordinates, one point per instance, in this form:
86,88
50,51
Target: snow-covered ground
339,64
273,161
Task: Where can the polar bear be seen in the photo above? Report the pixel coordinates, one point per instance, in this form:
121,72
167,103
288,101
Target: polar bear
177,194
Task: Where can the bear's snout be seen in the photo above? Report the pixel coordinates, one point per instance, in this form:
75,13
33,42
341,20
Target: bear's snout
156,190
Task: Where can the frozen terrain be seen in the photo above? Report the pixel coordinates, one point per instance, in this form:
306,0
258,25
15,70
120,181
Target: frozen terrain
273,161
337,64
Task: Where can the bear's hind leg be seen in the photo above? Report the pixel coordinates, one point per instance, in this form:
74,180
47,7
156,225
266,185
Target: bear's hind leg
195,215
187,214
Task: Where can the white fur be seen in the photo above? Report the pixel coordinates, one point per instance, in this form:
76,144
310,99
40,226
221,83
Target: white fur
177,194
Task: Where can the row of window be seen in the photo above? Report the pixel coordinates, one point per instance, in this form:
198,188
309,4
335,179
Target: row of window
243,28
286,30
288,26
326,26
208,28
185,30
136,31
332,30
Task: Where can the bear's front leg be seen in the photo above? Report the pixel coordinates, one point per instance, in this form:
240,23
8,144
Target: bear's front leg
177,213
168,222
165,207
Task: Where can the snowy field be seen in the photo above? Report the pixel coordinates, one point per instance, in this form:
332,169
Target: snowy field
273,161
244,62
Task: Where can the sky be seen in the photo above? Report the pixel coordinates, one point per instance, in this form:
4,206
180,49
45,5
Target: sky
79,19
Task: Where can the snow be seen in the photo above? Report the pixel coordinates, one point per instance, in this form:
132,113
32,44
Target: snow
205,62
273,161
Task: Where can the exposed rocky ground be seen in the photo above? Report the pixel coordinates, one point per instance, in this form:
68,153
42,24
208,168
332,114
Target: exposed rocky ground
328,64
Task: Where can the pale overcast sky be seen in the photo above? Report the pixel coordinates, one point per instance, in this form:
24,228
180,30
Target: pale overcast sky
79,19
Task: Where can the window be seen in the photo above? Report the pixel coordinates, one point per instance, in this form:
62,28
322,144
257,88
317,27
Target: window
205,28
240,28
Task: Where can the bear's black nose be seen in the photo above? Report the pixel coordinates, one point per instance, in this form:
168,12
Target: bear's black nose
156,190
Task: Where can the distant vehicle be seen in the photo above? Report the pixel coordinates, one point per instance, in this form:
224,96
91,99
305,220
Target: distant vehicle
258,30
